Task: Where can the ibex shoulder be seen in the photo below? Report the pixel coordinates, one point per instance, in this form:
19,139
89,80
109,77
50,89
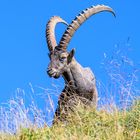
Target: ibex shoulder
89,74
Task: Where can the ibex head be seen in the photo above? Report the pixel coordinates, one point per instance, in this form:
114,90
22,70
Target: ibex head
60,61
59,57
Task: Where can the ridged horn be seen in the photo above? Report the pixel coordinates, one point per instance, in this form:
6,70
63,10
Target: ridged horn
50,31
75,24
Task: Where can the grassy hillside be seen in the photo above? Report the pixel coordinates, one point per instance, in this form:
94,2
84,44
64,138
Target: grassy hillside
88,124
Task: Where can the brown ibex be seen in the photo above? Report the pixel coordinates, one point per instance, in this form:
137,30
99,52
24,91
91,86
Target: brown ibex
79,81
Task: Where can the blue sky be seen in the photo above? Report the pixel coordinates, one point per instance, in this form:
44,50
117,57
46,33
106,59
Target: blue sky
23,49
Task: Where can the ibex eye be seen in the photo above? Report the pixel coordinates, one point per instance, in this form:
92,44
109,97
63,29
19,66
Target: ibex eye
62,59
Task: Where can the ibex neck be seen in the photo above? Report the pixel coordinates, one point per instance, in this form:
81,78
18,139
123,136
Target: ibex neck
69,75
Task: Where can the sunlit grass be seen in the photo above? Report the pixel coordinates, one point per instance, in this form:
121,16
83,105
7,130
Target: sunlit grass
89,124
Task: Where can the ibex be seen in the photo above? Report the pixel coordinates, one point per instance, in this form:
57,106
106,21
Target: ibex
79,81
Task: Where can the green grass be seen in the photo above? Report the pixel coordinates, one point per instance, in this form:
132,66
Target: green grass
88,124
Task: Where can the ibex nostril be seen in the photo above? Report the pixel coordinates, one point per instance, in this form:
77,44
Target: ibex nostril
55,67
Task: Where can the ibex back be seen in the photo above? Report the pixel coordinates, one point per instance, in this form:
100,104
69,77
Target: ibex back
79,82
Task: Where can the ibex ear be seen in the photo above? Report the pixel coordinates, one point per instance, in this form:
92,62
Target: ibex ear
70,56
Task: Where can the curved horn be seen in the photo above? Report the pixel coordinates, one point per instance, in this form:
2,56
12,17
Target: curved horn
83,16
50,31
